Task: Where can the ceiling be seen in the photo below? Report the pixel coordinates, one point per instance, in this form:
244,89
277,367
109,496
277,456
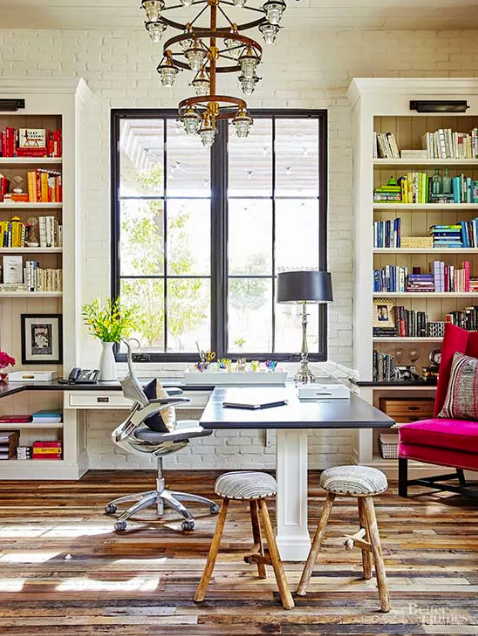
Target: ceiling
306,14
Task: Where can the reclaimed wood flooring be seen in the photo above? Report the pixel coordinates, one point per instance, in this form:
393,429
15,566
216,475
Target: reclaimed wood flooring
63,570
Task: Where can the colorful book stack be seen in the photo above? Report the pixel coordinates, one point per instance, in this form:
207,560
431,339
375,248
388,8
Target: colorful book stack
39,279
447,236
9,441
16,233
465,189
46,450
47,417
414,187
30,142
383,367
451,279
420,283
446,144
44,186
387,233
390,193
467,319
469,233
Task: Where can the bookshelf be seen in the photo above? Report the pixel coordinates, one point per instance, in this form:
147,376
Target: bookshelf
382,106
64,105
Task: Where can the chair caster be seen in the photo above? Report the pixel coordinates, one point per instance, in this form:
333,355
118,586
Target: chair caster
188,524
120,526
110,509
214,509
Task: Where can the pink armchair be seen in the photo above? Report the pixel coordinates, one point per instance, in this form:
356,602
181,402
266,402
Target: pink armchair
438,441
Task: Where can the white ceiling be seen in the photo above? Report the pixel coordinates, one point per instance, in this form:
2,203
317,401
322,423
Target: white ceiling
309,14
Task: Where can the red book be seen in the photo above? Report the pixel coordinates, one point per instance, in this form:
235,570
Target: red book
31,152
447,278
15,418
466,267
4,144
57,144
4,186
55,456
10,132
46,444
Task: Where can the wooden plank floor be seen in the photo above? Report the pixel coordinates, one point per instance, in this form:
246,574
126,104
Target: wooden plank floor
64,571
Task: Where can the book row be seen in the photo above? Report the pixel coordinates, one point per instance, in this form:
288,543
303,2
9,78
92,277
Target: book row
44,186
31,142
30,277
444,143
420,187
387,233
440,278
383,367
43,231
391,321
461,234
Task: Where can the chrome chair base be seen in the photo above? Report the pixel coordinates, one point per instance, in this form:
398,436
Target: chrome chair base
159,498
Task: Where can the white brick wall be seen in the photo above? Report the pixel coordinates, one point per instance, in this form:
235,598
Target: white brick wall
302,71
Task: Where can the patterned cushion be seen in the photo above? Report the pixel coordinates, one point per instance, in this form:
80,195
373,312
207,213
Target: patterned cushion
245,485
461,401
353,480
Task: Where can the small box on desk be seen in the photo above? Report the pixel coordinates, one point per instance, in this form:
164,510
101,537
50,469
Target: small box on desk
323,392
32,376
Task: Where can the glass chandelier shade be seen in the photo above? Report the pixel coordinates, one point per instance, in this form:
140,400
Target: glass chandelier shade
195,55
242,122
274,10
156,30
201,84
191,121
211,44
167,71
248,61
269,32
153,9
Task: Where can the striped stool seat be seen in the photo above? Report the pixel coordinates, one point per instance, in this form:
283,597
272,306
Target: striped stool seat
245,485
355,481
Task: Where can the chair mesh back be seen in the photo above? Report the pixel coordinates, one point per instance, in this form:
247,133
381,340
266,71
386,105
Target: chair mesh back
130,385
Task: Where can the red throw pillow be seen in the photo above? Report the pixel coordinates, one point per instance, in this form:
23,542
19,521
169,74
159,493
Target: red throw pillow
461,402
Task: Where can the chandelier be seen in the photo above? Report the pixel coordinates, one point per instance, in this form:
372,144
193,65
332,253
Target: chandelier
211,50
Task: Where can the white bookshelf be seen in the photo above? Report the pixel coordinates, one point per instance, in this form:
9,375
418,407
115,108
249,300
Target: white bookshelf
383,105
54,104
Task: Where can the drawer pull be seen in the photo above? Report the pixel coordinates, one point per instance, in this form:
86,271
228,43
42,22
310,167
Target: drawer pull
413,408
103,399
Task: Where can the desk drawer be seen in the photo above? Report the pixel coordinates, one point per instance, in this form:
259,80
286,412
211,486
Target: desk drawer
405,410
85,400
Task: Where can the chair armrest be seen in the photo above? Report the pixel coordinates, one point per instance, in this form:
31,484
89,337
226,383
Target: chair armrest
174,390
170,400
185,434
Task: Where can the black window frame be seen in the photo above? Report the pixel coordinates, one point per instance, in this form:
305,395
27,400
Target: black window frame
218,273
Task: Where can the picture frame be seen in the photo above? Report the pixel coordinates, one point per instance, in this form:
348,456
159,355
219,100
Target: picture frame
42,338
383,314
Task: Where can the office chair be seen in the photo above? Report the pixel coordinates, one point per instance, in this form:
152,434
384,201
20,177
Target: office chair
145,432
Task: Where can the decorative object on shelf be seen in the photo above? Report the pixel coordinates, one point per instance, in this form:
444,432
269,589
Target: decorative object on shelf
241,360
431,372
414,354
417,242
17,180
406,373
439,105
304,286
32,232
209,43
110,323
436,329
42,339
6,365
383,316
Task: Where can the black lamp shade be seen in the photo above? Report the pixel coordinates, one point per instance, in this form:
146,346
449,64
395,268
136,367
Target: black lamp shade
304,286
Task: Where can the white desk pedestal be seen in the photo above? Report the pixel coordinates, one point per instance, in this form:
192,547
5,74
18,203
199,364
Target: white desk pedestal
293,537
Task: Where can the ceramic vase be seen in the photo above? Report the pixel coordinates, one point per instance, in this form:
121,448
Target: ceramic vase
107,363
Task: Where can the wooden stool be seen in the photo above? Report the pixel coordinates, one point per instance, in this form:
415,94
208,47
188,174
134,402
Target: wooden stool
361,482
253,487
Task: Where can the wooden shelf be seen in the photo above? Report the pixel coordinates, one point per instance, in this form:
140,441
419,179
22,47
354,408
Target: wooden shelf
431,250
407,339
28,161
30,294
8,426
30,206
426,206
32,250
425,162
425,294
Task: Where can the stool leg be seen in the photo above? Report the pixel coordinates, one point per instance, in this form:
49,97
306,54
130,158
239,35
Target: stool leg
211,559
377,554
256,533
286,596
366,556
314,550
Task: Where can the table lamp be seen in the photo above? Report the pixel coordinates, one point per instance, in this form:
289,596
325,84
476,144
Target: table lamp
304,286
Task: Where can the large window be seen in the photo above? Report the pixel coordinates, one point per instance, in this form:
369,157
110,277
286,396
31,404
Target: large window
199,235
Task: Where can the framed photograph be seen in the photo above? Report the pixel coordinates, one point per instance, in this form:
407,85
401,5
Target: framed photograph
383,315
42,339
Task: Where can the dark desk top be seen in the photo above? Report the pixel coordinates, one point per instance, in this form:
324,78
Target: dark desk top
352,413
10,388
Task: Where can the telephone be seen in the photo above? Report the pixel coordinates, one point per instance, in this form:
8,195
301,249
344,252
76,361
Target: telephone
81,376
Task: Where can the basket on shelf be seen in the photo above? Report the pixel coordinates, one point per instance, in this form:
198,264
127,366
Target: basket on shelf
416,242
388,444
